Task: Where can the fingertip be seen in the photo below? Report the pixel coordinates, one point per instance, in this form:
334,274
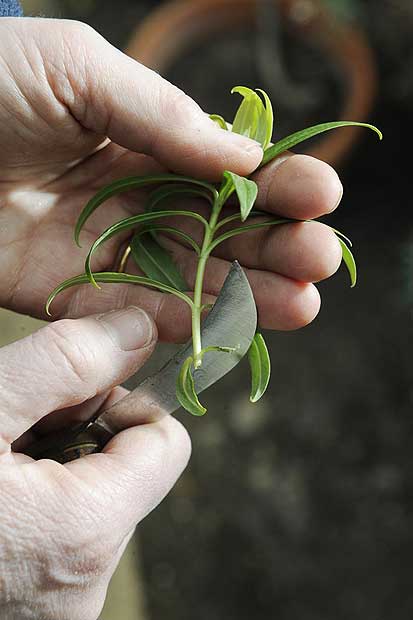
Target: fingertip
179,441
246,154
331,256
149,458
304,307
168,439
311,305
207,152
322,252
297,305
301,187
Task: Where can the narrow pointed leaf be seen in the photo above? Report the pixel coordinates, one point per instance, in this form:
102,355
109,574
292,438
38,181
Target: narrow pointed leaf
349,262
243,229
265,122
132,222
295,138
219,120
153,230
114,277
172,190
127,184
260,365
246,191
155,262
185,390
237,216
342,235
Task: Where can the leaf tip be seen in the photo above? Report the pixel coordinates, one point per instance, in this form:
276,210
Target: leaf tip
76,236
377,130
260,365
91,279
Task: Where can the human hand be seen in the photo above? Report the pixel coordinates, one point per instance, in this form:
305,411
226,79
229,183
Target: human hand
63,91
63,528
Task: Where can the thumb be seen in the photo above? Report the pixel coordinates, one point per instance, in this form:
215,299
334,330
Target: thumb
67,363
136,108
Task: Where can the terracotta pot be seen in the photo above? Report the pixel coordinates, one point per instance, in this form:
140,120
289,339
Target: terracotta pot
169,32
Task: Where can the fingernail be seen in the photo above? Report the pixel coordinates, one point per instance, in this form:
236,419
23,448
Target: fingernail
129,328
246,144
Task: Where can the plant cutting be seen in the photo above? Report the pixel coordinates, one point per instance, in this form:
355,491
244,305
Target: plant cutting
254,119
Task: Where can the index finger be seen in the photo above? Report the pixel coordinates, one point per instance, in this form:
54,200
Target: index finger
298,186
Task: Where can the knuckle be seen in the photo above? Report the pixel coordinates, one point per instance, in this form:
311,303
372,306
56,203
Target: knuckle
70,354
87,558
81,52
76,31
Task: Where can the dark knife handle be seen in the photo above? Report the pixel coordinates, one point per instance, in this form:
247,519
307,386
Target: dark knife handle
70,444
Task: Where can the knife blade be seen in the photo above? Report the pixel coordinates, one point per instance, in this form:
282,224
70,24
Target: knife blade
232,322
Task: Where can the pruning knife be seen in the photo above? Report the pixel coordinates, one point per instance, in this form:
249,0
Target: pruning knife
231,322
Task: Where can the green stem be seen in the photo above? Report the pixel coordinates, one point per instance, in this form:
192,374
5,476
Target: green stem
199,281
197,307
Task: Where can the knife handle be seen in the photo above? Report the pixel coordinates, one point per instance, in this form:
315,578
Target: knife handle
70,444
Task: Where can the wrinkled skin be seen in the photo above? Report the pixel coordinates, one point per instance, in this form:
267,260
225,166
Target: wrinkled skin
75,113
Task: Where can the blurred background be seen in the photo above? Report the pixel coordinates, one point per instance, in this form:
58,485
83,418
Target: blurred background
300,507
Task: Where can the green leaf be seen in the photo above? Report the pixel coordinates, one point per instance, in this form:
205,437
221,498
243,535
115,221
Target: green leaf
176,189
246,118
153,230
219,120
254,119
349,262
127,184
237,216
113,277
169,191
242,229
260,365
132,222
185,390
265,122
246,191
155,262
295,138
